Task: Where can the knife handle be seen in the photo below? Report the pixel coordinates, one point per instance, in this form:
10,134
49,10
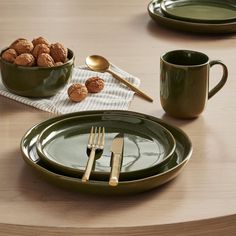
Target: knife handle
115,169
89,166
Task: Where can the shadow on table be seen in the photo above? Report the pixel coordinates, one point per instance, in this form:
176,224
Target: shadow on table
34,189
179,122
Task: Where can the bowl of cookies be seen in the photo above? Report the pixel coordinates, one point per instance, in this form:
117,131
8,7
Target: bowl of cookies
36,68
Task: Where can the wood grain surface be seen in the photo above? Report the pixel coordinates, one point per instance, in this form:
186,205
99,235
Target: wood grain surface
201,201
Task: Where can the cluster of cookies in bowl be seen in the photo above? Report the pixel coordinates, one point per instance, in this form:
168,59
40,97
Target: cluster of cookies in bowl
38,52
36,68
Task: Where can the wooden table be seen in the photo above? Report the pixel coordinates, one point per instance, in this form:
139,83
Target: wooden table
201,201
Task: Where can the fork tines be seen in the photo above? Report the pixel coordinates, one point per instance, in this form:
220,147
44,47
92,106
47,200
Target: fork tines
96,142
99,141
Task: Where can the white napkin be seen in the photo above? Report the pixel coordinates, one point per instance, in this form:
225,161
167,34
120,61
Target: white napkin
114,96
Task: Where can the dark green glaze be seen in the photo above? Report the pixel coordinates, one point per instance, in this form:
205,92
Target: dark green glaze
184,80
208,11
155,13
147,145
36,81
163,174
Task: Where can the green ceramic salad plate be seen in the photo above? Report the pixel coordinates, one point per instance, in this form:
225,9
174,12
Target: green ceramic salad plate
156,13
147,145
206,11
162,174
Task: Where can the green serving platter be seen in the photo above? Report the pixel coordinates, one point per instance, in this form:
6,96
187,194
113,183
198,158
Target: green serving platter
155,12
206,11
163,173
147,145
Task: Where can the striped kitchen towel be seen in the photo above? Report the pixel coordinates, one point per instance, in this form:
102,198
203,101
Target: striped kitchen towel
114,96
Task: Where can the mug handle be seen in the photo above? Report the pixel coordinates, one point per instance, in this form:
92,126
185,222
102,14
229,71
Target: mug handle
223,79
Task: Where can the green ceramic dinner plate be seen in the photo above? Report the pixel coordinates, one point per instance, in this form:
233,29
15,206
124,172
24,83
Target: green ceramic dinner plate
155,12
163,173
207,11
147,145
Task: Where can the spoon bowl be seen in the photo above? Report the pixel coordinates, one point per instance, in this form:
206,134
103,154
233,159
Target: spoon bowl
97,63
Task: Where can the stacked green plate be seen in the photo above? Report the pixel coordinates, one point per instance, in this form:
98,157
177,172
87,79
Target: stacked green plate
150,156
196,16
147,145
201,11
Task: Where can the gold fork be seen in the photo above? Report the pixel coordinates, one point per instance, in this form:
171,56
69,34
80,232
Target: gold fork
95,144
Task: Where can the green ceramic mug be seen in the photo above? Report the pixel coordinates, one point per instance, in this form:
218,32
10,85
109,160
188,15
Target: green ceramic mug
184,82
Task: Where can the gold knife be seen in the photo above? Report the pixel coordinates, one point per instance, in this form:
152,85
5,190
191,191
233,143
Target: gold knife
116,149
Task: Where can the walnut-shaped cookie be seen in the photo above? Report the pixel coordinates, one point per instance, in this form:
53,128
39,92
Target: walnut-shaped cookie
9,55
40,40
39,49
13,45
22,46
58,52
45,60
25,59
77,92
94,84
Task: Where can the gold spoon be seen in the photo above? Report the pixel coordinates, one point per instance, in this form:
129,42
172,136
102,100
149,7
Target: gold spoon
101,64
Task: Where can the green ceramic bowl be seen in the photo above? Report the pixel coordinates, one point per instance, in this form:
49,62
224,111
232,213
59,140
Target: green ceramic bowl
36,81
